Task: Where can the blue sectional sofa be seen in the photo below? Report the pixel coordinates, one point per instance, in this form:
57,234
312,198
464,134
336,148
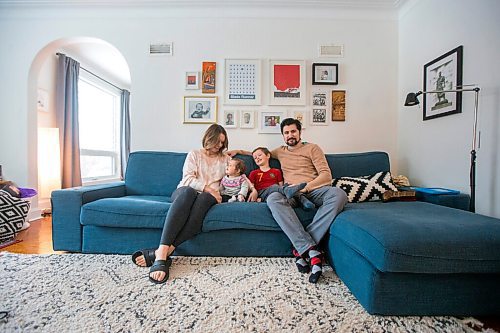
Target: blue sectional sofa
397,258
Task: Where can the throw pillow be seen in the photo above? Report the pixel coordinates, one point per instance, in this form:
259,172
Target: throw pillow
13,212
366,188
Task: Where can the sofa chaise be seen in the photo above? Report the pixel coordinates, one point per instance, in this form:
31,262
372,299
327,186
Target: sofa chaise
397,258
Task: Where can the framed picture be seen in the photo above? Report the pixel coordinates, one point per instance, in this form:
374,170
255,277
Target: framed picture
200,110
324,73
230,119
320,99
208,77
300,115
338,105
192,80
242,82
443,73
269,121
247,119
288,82
42,101
319,117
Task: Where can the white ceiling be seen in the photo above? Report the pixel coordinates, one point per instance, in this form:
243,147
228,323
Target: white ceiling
361,4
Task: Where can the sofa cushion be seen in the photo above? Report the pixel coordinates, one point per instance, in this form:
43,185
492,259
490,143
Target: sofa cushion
247,215
153,173
366,188
133,211
419,237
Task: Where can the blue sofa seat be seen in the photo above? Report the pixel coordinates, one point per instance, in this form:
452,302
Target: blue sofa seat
397,258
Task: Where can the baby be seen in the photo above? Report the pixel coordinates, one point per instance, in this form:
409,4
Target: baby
234,186
267,180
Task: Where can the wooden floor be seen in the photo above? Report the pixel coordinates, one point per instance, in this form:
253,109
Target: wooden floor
37,239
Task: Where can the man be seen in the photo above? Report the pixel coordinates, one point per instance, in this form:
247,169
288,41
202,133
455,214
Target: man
305,164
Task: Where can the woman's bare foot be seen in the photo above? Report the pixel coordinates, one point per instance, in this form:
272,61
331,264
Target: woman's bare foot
161,253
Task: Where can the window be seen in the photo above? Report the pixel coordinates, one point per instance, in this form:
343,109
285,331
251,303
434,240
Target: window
99,126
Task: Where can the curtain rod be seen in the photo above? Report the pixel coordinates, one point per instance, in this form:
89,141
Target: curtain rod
97,76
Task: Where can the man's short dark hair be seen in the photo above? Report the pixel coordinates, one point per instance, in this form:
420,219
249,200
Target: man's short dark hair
290,121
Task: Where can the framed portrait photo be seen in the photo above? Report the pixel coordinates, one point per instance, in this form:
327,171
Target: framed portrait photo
269,121
193,80
242,82
200,109
300,115
319,117
325,73
247,119
288,82
443,73
230,119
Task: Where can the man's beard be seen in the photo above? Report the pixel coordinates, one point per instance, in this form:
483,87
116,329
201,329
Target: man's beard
292,142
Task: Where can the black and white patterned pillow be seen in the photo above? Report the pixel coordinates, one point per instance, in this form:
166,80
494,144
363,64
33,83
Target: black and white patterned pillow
366,188
13,212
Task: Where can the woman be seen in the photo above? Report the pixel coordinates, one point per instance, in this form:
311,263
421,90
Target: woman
196,193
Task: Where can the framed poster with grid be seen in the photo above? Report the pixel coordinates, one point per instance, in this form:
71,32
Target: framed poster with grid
242,82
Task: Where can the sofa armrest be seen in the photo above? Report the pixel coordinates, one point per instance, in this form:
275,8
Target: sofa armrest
66,209
458,201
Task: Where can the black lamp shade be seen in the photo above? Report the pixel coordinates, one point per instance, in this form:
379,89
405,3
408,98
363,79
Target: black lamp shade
411,99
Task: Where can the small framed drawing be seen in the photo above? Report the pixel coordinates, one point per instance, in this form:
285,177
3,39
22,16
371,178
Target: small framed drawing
300,115
230,119
200,110
319,117
288,82
242,82
247,119
208,77
269,121
193,80
443,73
42,101
324,73
320,99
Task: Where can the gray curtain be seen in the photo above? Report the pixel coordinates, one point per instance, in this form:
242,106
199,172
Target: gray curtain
124,130
67,120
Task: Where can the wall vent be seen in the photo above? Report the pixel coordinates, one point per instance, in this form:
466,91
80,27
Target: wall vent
331,50
161,48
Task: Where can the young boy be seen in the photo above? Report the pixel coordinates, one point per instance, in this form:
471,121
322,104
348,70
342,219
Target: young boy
267,180
234,186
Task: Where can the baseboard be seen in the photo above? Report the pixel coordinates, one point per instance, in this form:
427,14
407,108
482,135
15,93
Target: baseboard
34,214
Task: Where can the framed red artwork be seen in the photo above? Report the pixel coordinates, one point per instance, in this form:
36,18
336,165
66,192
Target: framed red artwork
288,86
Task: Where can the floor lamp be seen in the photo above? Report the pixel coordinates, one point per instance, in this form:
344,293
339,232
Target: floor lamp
411,99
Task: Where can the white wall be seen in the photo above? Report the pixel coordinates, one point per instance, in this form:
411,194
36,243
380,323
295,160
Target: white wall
368,71
436,152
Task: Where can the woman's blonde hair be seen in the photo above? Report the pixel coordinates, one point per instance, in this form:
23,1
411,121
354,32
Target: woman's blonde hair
211,138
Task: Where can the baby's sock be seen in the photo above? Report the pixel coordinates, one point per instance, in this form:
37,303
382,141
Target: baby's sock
233,199
316,258
301,263
306,203
291,190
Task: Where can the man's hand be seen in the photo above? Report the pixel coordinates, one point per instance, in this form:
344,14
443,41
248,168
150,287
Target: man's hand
232,153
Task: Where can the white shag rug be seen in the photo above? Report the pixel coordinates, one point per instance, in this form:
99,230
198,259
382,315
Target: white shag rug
107,293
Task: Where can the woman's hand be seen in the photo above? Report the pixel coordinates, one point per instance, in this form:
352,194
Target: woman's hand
214,193
253,196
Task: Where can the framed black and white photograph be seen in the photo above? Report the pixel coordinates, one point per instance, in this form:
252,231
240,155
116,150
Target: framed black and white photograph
319,117
325,73
230,119
200,110
320,98
242,82
247,119
269,121
192,80
443,73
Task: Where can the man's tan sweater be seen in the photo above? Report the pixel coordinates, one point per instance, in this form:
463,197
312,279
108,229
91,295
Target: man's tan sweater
306,163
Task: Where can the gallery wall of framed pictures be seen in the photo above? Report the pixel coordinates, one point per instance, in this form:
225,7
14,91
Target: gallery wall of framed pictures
244,89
